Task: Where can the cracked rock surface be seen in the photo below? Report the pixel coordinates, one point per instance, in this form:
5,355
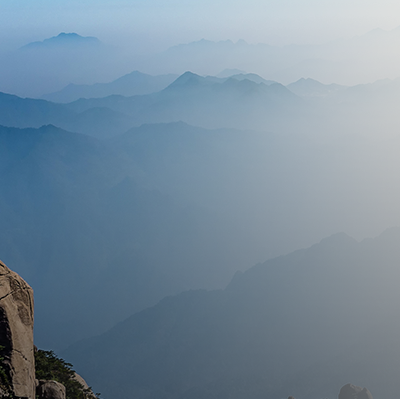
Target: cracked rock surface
16,332
48,389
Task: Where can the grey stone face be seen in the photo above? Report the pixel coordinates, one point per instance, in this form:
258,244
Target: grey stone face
16,332
48,389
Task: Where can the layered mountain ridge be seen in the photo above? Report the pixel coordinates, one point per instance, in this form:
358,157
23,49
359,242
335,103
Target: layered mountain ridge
134,83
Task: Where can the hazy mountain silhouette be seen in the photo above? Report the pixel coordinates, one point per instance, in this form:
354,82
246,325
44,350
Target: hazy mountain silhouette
63,40
236,102
81,217
253,77
349,61
228,72
226,102
168,207
172,206
313,88
27,112
47,66
129,191
382,90
134,83
301,324
39,69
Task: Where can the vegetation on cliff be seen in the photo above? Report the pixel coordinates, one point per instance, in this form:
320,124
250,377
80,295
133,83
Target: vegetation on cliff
50,367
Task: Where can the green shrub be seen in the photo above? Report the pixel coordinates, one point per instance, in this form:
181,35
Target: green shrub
50,367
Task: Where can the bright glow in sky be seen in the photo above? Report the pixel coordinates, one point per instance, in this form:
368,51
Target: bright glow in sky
161,23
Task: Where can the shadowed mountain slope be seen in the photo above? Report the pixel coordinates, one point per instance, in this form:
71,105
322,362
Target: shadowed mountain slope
169,207
81,217
27,112
302,324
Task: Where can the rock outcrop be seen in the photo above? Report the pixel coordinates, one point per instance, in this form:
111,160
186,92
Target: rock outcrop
350,391
88,391
48,389
16,333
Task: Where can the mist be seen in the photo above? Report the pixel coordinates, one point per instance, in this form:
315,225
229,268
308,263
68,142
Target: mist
204,197
332,43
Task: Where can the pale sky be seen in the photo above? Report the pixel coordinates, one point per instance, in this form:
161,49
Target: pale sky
160,23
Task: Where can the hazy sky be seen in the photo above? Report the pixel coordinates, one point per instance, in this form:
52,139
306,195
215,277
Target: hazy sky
161,23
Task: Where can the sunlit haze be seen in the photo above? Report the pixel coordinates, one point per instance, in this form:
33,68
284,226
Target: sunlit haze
162,24
203,195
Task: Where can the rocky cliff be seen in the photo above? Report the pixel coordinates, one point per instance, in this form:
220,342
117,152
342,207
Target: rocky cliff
16,333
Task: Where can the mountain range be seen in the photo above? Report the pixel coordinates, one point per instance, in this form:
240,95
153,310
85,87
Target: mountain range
159,216
188,98
74,207
228,103
348,61
166,207
244,101
49,65
106,212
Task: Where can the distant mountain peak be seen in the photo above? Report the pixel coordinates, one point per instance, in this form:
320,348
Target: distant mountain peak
63,34
337,239
307,82
186,78
307,87
189,75
377,32
253,77
63,39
